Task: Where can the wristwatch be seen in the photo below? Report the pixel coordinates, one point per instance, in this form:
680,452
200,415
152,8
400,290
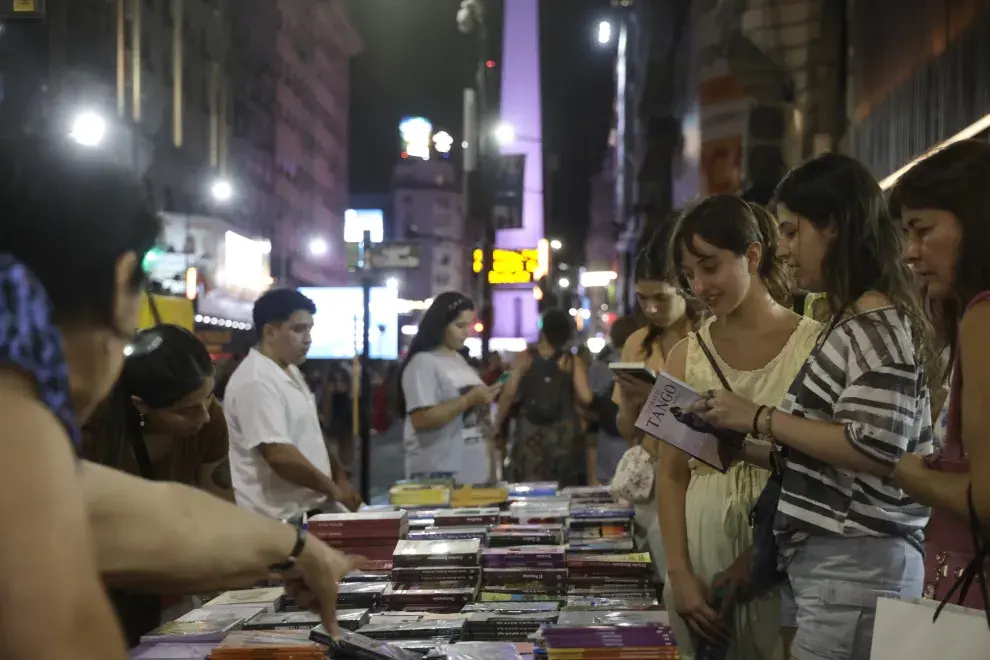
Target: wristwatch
297,549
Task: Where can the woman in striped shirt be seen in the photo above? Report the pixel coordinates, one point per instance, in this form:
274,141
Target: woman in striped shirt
846,534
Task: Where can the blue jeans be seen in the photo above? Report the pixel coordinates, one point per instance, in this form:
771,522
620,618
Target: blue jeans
834,584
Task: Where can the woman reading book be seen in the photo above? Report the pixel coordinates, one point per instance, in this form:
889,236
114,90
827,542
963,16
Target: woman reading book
668,320
722,252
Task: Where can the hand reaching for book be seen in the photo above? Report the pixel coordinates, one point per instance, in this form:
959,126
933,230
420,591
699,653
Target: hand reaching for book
315,579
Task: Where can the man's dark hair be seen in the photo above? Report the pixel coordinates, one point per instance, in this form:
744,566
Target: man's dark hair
277,305
557,327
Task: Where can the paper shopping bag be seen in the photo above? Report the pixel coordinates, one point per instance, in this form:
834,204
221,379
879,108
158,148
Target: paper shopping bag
904,630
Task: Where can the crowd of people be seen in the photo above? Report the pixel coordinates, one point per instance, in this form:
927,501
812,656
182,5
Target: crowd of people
130,474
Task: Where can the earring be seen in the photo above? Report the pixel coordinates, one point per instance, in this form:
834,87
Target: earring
142,419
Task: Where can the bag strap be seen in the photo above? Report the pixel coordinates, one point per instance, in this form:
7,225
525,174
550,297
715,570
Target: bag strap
974,571
712,362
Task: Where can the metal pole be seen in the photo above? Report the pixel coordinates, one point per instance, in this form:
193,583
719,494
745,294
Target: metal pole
623,133
365,390
484,199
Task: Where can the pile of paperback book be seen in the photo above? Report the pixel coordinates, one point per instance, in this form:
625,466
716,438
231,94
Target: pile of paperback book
457,574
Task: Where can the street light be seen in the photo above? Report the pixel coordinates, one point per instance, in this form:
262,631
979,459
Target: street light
555,244
604,32
88,129
222,190
564,283
505,134
318,247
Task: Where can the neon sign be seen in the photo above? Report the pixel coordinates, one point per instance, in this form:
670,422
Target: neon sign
512,266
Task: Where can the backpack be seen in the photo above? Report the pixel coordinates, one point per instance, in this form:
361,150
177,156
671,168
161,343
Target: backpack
545,391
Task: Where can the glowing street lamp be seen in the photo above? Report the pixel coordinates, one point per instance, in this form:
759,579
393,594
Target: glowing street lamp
564,283
604,32
318,247
222,190
88,129
505,134
556,245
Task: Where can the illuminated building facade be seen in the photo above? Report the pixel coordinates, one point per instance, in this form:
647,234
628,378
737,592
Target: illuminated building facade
515,309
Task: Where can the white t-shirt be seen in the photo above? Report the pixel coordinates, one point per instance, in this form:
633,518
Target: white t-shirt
265,404
460,446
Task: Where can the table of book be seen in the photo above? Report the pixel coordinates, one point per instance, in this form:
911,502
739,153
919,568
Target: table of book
518,571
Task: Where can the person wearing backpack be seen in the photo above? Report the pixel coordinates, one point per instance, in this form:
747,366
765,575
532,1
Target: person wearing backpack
546,385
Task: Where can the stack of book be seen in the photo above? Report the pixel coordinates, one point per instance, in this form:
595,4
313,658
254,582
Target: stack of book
421,493
466,517
600,527
467,532
478,496
484,651
498,627
532,489
417,636
635,641
269,645
434,576
371,534
355,646
377,570
506,536
611,576
524,573
542,511
588,495
361,595
268,599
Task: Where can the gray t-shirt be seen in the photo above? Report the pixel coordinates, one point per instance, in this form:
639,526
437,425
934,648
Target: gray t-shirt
459,447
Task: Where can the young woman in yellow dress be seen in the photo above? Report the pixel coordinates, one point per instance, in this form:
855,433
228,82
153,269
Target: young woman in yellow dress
723,252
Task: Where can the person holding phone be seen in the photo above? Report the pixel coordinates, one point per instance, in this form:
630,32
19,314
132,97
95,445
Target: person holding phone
447,406
668,320
723,252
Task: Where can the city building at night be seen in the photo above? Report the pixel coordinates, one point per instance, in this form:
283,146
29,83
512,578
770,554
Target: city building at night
516,310
428,208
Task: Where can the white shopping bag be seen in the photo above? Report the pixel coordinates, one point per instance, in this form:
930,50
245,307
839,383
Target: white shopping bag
904,631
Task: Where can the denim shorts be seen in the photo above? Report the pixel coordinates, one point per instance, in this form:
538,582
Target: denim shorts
834,584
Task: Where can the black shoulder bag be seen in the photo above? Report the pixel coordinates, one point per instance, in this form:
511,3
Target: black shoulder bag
764,568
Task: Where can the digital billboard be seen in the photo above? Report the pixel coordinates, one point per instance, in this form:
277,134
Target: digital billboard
337,325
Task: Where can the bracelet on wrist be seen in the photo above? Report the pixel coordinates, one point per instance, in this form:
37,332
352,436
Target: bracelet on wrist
769,423
294,554
756,421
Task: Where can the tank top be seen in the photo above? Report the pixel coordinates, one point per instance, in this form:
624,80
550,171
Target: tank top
949,547
765,386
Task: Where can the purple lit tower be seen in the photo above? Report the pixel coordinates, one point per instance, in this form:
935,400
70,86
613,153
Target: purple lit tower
516,312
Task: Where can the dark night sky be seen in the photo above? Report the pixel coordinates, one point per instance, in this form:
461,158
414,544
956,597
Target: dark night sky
416,62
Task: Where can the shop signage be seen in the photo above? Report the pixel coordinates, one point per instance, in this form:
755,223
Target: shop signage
232,270
511,266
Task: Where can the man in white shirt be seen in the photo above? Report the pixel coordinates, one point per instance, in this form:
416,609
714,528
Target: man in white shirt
279,462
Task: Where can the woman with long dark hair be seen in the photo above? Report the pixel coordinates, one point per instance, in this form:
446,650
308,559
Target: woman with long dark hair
446,404
723,253
945,211
161,422
844,531
668,320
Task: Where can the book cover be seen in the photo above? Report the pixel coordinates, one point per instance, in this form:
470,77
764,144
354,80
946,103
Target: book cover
658,421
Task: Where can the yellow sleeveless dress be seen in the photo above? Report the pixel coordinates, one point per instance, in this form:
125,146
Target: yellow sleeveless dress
718,505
